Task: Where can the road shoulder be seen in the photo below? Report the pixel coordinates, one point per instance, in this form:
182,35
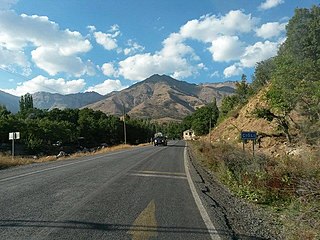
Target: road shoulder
233,217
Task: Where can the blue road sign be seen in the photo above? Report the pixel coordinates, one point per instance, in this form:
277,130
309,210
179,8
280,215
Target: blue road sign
248,135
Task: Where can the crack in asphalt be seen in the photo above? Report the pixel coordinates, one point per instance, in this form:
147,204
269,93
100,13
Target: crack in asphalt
214,203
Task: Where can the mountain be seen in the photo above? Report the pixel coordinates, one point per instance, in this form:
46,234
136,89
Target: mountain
45,100
11,102
162,97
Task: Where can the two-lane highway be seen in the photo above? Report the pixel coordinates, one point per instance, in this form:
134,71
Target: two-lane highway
140,193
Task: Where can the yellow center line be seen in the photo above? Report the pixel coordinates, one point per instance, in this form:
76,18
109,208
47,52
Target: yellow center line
145,225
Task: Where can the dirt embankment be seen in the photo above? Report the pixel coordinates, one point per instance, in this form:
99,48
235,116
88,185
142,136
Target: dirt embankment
272,141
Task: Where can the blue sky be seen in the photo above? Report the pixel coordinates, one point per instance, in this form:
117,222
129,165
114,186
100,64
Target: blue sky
74,46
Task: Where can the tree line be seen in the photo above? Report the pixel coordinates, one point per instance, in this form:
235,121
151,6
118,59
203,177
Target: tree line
292,79
43,131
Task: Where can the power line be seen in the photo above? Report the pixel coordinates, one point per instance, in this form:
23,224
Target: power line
26,78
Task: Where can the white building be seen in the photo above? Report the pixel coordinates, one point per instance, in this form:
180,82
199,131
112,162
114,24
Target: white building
189,135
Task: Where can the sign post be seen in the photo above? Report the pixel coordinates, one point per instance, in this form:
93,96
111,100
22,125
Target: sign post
249,136
13,136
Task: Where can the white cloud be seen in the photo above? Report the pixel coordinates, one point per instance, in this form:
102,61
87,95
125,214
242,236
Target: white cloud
53,62
233,70
253,54
258,52
133,48
208,27
108,69
41,83
50,43
175,59
270,4
179,60
108,40
226,48
91,28
141,66
272,29
6,4
13,58
106,87
215,74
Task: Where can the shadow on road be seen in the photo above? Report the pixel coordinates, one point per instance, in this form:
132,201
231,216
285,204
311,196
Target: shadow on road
74,225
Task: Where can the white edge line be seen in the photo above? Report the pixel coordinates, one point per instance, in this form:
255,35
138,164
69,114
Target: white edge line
211,229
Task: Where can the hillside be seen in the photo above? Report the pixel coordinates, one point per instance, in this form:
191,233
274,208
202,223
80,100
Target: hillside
45,100
272,143
161,97
11,102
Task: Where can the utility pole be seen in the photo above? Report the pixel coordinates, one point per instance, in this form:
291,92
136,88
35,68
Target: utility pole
210,130
124,123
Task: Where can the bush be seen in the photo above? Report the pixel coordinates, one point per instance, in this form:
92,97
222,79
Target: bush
289,185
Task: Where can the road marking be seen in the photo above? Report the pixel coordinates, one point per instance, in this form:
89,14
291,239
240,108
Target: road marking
156,175
145,225
164,173
211,229
174,175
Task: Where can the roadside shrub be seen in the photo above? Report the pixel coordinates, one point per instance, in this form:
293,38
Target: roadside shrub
289,185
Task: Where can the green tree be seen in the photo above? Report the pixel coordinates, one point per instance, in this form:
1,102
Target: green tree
262,74
295,79
201,118
26,103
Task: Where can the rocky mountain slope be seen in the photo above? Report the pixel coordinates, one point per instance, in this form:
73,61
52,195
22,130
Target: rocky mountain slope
45,100
162,97
11,102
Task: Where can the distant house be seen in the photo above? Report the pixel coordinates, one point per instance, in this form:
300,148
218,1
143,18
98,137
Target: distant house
189,135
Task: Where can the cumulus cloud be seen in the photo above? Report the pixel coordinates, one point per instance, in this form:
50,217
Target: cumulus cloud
272,29
108,40
233,70
210,27
179,60
41,83
14,58
253,54
270,4
91,28
49,42
258,52
133,48
226,48
106,87
53,62
175,59
108,69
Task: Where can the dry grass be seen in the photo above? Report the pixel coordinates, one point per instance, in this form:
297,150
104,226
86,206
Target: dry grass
7,161
289,186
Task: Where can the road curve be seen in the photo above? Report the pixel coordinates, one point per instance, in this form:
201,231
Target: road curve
140,193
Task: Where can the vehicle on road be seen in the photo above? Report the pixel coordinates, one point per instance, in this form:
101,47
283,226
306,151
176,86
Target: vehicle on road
159,139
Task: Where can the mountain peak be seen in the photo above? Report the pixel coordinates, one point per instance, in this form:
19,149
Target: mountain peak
157,78
160,97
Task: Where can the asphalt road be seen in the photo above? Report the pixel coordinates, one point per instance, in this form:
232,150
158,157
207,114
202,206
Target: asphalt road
140,193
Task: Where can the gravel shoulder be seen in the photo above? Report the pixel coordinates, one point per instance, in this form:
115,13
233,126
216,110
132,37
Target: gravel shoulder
233,217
